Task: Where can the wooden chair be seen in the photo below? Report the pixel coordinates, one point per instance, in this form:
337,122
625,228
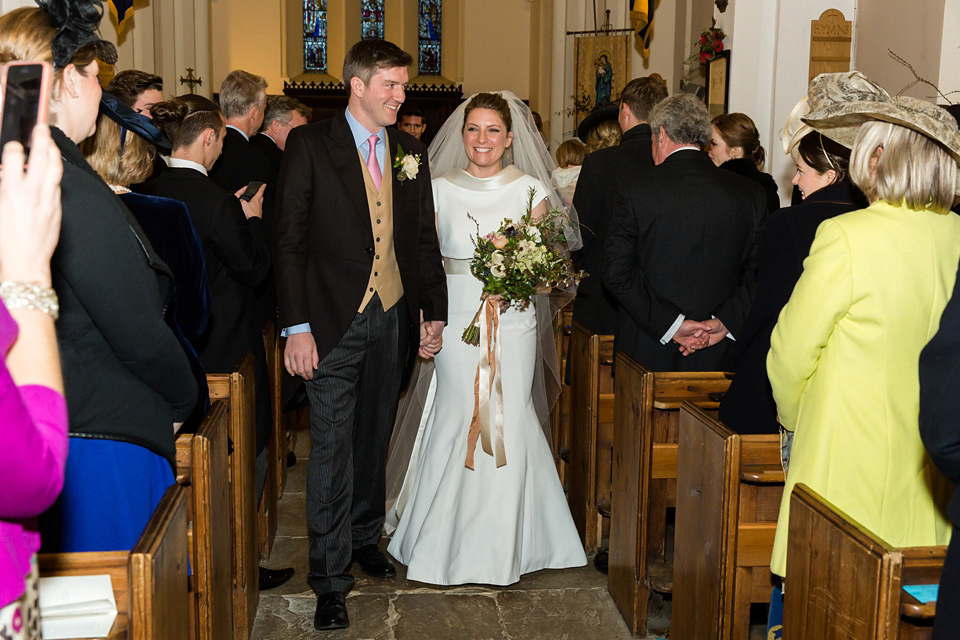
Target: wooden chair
646,431
728,499
276,445
203,469
591,431
845,582
149,582
237,388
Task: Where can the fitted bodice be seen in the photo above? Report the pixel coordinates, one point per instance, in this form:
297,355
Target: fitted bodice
488,200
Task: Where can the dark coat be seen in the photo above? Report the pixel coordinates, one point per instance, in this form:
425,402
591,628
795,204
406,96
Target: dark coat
748,405
236,257
324,237
273,155
747,169
167,224
595,308
682,240
125,376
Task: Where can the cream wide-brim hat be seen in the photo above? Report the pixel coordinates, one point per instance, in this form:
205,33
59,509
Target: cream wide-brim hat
824,90
841,122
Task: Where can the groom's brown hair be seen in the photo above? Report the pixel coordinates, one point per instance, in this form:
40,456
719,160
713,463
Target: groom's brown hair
368,56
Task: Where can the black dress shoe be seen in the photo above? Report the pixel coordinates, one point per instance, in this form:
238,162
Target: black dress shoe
331,612
374,562
291,458
273,578
601,560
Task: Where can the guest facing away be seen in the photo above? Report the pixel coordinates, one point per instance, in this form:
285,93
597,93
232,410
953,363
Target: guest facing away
735,146
682,272
596,308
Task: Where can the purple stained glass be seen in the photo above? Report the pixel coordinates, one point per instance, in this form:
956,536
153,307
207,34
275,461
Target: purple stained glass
314,35
431,19
371,19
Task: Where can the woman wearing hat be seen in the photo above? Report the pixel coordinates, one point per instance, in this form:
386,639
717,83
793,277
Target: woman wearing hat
843,357
124,151
126,381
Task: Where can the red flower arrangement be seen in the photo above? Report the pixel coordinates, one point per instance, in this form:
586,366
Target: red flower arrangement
709,45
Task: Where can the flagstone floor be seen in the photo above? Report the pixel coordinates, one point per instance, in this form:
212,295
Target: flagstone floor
549,605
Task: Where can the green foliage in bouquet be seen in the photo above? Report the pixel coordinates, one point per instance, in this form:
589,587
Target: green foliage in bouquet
521,259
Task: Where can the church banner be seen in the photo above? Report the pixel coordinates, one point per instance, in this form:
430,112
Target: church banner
602,70
122,10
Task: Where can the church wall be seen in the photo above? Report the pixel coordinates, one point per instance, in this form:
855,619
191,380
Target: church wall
246,35
496,48
914,31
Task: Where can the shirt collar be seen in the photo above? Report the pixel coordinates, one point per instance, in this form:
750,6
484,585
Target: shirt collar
245,136
183,163
689,147
360,133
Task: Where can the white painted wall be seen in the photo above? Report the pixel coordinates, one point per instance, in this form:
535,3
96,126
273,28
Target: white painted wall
770,54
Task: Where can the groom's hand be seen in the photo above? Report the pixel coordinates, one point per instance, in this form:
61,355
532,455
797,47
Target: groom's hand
431,338
300,355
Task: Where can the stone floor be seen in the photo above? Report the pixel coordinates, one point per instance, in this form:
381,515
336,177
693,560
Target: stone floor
571,604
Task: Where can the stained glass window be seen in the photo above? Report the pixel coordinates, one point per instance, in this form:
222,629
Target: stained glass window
428,59
371,19
314,35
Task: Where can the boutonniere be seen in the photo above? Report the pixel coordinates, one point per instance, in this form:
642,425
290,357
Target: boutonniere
407,163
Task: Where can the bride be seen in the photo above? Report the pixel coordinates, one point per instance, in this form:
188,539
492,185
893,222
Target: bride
488,524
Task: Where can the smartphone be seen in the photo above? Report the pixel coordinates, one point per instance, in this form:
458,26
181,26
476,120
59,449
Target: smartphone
26,94
251,191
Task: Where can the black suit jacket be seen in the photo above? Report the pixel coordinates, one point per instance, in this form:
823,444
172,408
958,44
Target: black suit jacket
272,153
748,405
682,240
324,237
940,398
595,307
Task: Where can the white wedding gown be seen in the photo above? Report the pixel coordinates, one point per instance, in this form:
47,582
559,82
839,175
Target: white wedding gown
488,525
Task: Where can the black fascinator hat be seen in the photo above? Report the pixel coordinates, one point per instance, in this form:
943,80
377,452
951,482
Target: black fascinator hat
78,24
112,107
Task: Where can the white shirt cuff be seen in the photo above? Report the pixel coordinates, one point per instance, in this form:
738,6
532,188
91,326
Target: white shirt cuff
668,336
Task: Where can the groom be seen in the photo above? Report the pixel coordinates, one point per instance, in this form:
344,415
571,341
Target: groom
360,288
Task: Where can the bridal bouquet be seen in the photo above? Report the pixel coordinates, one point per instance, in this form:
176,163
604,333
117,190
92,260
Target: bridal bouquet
520,259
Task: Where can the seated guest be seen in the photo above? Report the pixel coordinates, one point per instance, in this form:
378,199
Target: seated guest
33,413
843,361
235,253
735,146
122,151
747,406
127,382
569,159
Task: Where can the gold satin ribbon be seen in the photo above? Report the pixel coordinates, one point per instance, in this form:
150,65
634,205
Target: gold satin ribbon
487,388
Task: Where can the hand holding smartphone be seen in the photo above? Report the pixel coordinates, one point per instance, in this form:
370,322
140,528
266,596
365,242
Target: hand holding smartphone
251,205
251,190
26,95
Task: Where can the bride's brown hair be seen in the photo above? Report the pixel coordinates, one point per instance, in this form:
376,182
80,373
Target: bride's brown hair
492,101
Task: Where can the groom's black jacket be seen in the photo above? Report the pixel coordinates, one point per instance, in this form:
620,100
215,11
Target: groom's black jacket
324,243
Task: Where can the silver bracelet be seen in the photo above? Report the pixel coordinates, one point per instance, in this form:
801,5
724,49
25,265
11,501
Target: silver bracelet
30,295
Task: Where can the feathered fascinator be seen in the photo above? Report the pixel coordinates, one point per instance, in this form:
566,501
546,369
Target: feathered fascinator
78,24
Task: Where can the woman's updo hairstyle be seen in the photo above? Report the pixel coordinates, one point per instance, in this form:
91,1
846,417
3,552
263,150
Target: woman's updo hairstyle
823,154
738,130
492,101
606,134
184,118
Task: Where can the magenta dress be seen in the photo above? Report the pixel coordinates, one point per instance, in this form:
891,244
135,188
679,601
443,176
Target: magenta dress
33,430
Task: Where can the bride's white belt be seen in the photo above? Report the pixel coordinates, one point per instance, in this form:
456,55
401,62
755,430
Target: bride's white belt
457,266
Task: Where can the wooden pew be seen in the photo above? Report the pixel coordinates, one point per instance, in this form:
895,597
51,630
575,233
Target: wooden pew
845,582
560,418
237,388
591,431
276,445
149,582
728,499
646,431
203,469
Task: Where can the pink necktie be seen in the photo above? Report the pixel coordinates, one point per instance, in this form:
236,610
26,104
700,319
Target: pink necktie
372,165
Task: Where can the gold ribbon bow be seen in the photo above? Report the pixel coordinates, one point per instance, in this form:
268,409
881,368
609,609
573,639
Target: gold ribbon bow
487,388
